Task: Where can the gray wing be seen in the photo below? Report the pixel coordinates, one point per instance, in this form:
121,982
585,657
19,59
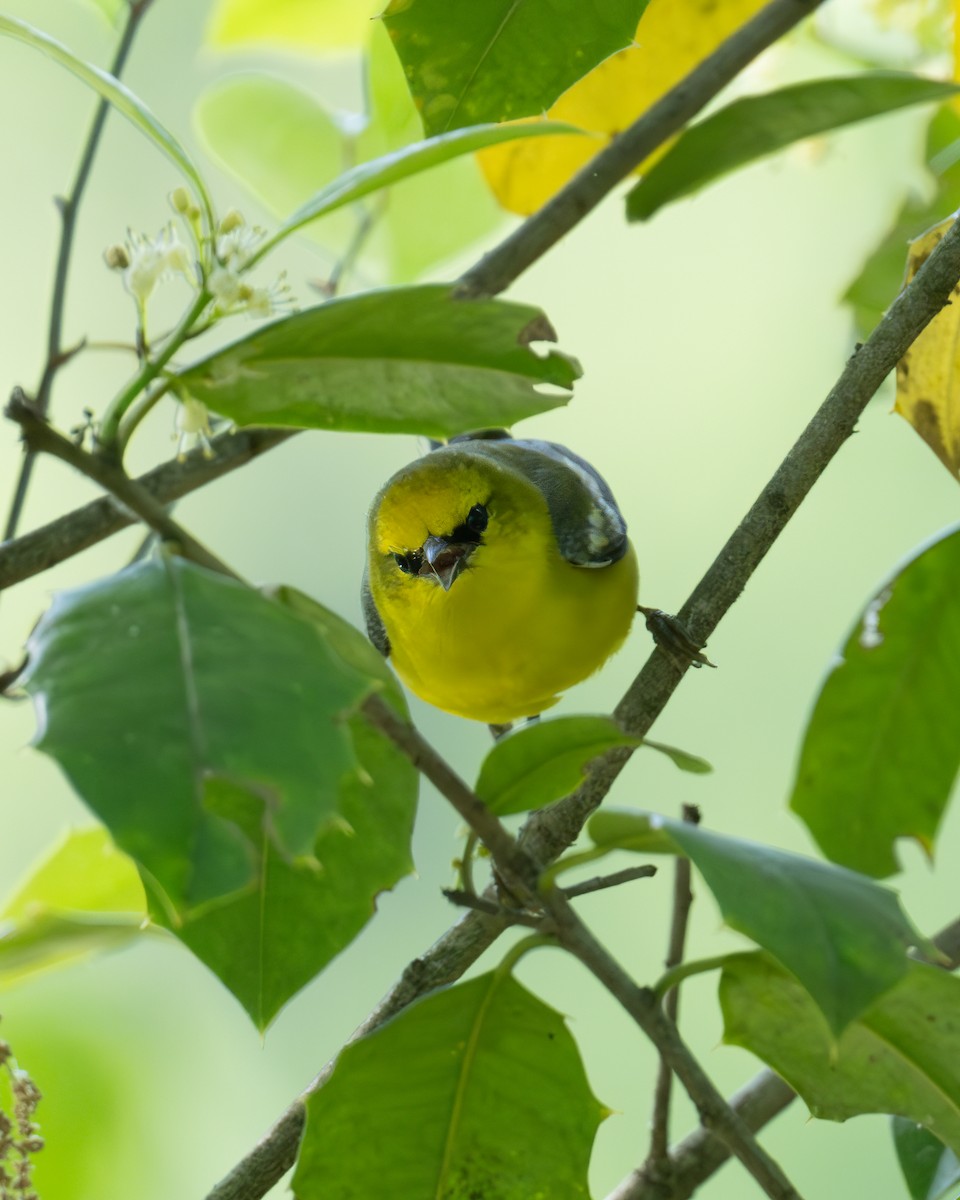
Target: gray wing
589,527
375,627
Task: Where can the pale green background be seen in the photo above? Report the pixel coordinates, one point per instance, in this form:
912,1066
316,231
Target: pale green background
708,337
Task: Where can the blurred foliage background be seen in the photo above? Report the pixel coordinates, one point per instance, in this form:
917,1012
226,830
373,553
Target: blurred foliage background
708,337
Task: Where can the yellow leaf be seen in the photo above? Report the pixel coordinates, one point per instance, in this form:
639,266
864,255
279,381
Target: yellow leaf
305,25
928,375
673,37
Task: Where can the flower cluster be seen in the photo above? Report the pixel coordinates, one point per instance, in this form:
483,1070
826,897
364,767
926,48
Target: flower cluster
235,245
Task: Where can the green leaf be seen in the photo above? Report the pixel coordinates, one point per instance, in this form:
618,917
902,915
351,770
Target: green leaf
476,1090
279,141
290,151
902,1056
83,898
539,763
302,25
874,289
186,708
297,916
120,96
881,750
681,758
841,934
383,172
756,126
931,1171
400,360
496,60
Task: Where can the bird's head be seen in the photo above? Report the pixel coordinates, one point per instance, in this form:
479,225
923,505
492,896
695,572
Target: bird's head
433,517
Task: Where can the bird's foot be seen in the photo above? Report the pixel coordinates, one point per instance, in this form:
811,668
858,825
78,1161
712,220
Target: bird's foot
673,638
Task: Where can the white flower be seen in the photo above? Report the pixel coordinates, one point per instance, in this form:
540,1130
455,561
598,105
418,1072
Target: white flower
145,261
193,426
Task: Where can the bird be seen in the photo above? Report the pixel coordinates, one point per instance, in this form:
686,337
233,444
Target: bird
499,574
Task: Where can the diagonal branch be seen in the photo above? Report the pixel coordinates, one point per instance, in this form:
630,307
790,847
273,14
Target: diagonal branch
41,437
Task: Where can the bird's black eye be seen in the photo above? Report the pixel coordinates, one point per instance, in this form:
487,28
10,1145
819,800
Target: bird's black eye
410,563
470,529
476,520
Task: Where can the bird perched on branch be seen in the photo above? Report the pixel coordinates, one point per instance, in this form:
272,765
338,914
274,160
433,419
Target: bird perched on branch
499,574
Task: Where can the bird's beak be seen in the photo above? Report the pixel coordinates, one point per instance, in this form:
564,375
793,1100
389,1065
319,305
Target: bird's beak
445,560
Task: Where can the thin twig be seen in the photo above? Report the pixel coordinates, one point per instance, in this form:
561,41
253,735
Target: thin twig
641,1004
517,871
600,882
701,1154
68,207
42,548
40,437
682,899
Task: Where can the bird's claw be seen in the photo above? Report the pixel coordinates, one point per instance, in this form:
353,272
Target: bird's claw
673,638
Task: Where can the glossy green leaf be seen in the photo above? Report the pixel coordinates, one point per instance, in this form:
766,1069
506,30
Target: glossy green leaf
930,1170
269,940
83,898
902,1055
316,26
842,935
755,126
476,1090
186,708
874,289
496,60
120,96
541,762
881,750
400,360
393,168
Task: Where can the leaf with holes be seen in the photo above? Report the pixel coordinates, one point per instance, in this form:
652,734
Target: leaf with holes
400,360
881,752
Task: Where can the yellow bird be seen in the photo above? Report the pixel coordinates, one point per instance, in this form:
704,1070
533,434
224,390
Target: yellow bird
499,575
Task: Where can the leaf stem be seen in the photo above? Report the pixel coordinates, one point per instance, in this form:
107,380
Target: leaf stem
676,974
68,207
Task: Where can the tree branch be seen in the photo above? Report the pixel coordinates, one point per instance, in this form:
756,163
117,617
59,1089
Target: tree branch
715,1114
68,207
68,535
666,117
40,437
